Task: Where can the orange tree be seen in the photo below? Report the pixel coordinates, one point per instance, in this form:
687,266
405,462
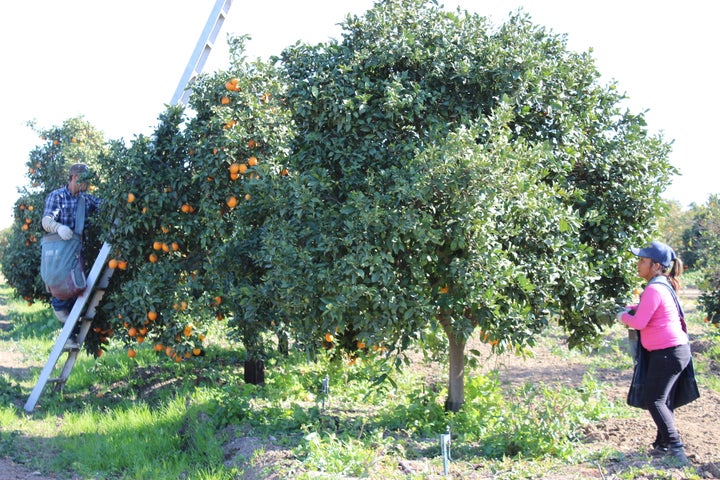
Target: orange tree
702,247
450,176
47,166
184,203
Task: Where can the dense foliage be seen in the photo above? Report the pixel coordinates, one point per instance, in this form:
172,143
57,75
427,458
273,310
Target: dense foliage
426,173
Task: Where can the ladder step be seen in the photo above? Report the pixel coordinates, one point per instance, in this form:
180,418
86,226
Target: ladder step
55,379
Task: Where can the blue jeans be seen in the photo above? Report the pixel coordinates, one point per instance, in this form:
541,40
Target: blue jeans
62,304
664,368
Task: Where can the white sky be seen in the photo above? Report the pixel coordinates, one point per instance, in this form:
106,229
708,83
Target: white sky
118,63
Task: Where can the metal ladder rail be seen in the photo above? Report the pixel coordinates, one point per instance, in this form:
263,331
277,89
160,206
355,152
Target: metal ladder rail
202,51
95,283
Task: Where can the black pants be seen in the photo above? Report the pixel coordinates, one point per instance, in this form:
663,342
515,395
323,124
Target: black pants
664,368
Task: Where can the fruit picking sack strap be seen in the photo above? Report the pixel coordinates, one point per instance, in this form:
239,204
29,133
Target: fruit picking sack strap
662,280
80,215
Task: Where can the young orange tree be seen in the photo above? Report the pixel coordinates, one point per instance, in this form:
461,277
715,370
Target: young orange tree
182,215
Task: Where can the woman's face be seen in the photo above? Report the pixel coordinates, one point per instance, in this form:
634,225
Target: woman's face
647,269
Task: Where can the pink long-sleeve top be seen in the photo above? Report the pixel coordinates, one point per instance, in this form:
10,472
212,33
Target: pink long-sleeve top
657,318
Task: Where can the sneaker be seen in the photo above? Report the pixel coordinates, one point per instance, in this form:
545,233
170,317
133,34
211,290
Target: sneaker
658,450
72,343
678,454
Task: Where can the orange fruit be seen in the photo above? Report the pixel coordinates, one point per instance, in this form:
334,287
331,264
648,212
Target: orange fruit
122,264
328,337
248,196
157,245
158,347
242,168
187,331
234,168
218,300
132,353
444,289
152,315
165,247
132,331
130,197
360,345
252,144
232,201
252,161
225,100
175,246
113,264
196,351
284,172
153,258
140,339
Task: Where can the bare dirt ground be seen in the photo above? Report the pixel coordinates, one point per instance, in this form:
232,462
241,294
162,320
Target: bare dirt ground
698,422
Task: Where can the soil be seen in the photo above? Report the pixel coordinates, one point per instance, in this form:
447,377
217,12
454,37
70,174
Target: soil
698,422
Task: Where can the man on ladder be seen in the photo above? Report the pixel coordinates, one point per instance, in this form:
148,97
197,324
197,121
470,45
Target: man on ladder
61,217
82,311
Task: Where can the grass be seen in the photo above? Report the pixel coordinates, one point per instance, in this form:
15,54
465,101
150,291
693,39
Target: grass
121,418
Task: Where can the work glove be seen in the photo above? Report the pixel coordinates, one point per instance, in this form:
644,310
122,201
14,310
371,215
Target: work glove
51,226
65,232
619,315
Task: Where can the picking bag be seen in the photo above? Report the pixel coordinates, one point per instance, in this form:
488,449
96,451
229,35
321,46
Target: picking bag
61,263
62,267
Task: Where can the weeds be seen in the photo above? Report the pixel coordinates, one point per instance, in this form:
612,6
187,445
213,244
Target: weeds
127,418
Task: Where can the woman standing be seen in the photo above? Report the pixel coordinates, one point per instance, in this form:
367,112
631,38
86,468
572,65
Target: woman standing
664,335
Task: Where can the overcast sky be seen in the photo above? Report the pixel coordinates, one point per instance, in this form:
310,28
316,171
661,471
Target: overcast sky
118,63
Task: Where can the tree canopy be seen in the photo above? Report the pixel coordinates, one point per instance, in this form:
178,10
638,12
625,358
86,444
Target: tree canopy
427,172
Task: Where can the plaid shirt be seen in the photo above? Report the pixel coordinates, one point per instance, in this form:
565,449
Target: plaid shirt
61,205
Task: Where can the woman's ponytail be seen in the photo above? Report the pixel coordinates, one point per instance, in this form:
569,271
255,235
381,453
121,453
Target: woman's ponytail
673,275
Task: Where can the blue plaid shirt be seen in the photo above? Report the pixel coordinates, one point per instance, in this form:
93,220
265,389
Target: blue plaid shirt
61,205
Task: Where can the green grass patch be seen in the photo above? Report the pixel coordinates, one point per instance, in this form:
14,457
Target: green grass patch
122,418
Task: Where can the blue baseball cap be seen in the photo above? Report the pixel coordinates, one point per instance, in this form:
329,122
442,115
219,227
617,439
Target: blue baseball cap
657,252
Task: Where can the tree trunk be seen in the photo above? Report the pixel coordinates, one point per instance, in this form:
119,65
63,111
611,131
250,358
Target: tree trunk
456,379
254,371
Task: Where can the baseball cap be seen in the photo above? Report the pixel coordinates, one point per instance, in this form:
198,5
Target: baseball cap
657,252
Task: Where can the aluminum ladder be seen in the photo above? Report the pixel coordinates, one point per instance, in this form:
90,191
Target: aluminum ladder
84,309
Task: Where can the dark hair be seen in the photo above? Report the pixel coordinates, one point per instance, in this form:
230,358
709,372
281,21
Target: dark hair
673,273
77,169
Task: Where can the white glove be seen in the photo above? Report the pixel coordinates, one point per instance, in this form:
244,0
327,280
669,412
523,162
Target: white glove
65,232
620,314
51,226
